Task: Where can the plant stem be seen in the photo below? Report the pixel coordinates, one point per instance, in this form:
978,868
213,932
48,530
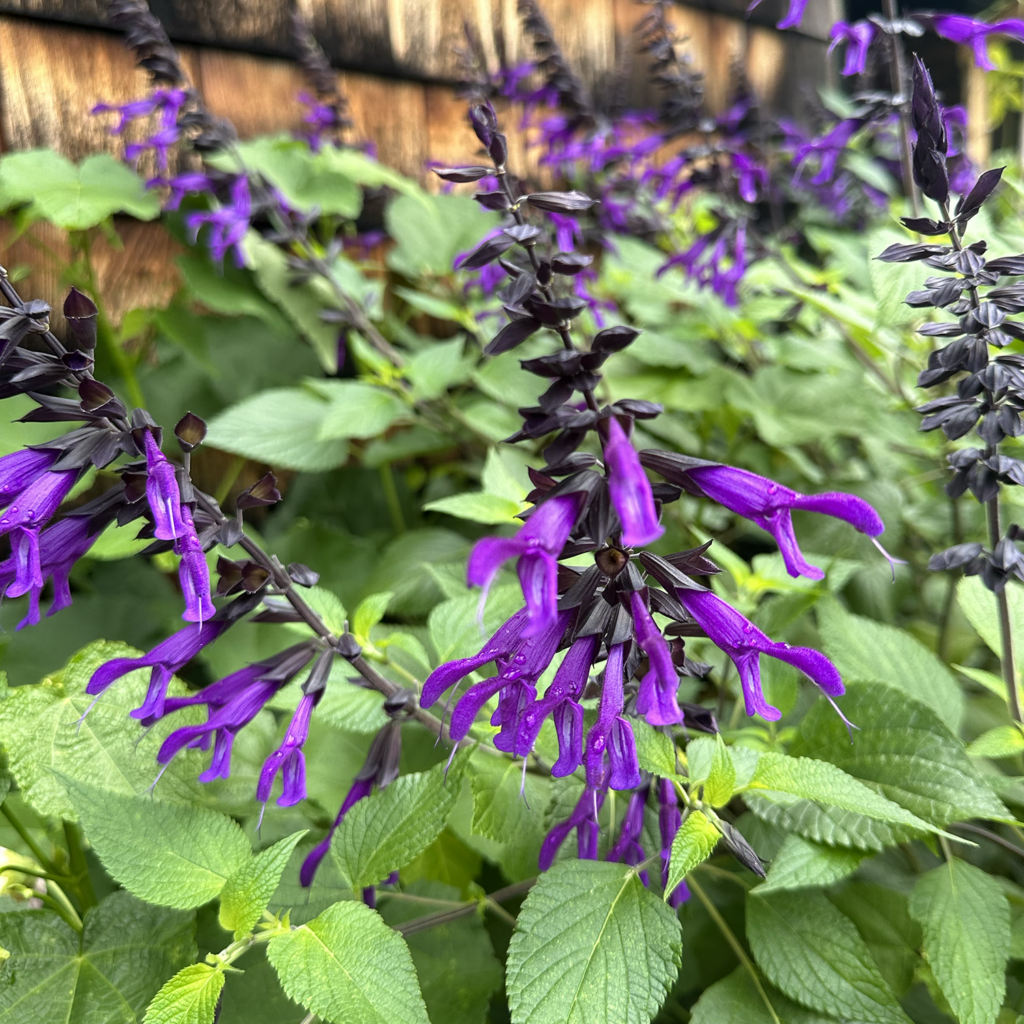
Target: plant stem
79,867
387,480
737,948
995,534
992,837
61,906
898,77
419,924
37,852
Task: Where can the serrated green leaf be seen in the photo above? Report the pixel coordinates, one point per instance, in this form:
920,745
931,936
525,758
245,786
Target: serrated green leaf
248,891
280,427
592,945
814,955
328,606
75,198
693,844
802,864
478,507
884,922
654,749
190,997
869,651
169,854
42,730
507,804
979,605
107,974
721,779
356,409
448,860
455,628
455,962
825,784
369,612
1002,741
347,966
497,478
387,830
903,748
735,1000
440,366
966,923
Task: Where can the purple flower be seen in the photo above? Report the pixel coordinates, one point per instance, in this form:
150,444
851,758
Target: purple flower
584,820
770,506
182,185
793,16
656,699
20,469
751,177
959,28
288,759
669,820
858,38
168,102
629,488
165,659
228,223
162,492
612,735
361,788
59,548
537,544
827,150
193,572
745,643
627,848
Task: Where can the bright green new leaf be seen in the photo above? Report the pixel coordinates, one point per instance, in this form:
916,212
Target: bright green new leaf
591,946
693,844
498,478
356,409
654,749
871,651
105,975
169,854
43,730
349,967
478,507
387,830
190,997
75,198
507,804
814,955
247,892
966,923
369,612
721,779
1002,741
903,748
802,864
280,427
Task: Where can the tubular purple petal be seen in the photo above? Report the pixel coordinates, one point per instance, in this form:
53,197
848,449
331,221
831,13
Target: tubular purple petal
34,506
568,719
584,820
630,489
656,699
361,788
162,493
193,572
19,469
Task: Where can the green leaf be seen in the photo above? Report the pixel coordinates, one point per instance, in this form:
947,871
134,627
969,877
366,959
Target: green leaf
693,844
430,231
364,169
827,785
356,409
979,605
344,705
447,859
369,612
75,198
190,997
815,955
107,974
884,922
592,945
248,891
455,963
507,804
802,864
1002,741
870,651
436,368
892,281
966,923
654,749
169,854
721,780
280,427
117,542
903,748
478,507
347,966
735,1000
387,830
42,730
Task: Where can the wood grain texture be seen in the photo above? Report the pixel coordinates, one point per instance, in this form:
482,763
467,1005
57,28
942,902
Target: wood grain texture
766,55
393,115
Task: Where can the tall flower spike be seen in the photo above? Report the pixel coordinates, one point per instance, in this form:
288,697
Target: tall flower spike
739,638
162,492
630,489
537,545
766,503
656,699
193,572
612,735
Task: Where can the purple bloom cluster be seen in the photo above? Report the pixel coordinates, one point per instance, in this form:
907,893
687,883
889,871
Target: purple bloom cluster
168,103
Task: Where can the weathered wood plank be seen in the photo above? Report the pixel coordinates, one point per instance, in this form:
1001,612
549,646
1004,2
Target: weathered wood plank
393,115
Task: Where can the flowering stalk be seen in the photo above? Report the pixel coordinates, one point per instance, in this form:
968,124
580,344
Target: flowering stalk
900,88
